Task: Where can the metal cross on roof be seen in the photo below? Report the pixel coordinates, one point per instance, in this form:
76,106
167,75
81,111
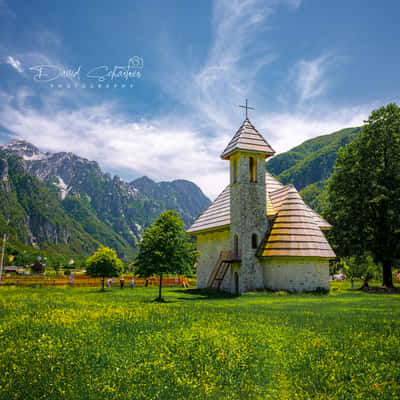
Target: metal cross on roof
247,108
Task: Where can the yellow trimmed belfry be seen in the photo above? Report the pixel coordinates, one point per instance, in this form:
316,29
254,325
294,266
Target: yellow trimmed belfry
258,233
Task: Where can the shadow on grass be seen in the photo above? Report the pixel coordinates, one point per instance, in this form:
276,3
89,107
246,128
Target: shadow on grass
203,294
162,301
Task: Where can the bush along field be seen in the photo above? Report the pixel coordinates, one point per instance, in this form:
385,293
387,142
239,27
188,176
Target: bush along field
79,343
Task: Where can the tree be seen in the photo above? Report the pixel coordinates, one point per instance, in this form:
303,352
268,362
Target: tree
363,194
165,249
56,262
104,263
361,266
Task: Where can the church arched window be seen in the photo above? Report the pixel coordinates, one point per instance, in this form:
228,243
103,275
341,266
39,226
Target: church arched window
234,171
254,241
253,169
236,246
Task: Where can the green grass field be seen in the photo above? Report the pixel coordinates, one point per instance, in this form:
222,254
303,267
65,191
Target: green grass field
83,344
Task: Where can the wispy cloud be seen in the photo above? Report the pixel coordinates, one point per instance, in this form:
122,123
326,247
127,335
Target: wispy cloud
163,149
230,69
15,63
284,130
188,145
310,77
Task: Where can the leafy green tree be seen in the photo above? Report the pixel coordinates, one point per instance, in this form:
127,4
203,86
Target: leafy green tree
361,266
363,195
56,263
165,249
104,263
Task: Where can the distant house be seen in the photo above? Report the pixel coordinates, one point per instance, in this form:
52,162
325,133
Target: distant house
11,269
38,268
259,233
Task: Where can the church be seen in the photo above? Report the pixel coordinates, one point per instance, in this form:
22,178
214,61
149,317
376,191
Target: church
258,233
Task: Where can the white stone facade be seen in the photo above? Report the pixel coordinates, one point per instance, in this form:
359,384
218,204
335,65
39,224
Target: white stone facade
295,274
292,274
248,220
210,245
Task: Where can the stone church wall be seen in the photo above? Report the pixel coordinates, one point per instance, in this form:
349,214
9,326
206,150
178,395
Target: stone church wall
248,218
226,284
210,245
295,274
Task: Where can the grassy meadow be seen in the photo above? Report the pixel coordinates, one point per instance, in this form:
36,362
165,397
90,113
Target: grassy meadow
79,343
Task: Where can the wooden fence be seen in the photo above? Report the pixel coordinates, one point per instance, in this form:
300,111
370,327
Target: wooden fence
86,281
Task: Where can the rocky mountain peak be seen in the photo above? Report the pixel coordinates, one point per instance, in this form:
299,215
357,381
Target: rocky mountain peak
144,180
107,208
24,149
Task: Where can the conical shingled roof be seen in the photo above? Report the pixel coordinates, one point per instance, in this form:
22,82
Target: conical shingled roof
295,232
271,184
247,138
322,223
217,215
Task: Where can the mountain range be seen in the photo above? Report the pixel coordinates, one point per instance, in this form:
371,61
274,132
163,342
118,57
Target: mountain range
64,202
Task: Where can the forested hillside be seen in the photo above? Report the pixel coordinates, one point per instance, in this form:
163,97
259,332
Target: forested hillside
310,164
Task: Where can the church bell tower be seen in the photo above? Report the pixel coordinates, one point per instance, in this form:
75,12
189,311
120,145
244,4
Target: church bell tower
246,153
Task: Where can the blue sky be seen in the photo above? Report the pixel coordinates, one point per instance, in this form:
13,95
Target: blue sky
309,67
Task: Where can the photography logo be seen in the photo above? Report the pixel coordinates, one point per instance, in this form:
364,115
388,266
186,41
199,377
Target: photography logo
103,76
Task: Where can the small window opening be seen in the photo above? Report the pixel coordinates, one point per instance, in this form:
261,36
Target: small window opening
234,171
253,170
236,246
254,241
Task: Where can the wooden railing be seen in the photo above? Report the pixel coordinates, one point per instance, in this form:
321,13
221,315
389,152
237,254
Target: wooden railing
221,266
86,281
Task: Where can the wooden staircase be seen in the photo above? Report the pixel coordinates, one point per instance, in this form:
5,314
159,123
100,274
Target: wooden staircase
221,267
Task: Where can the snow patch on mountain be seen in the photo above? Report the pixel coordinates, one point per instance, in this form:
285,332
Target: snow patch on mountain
63,188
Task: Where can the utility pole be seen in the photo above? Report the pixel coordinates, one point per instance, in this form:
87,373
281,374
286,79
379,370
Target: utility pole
2,254
3,247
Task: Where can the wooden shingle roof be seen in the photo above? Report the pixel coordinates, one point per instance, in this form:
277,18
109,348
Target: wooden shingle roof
272,185
247,138
217,215
322,223
295,231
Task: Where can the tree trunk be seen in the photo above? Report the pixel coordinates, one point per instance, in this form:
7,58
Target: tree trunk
102,284
365,284
387,274
159,289
2,254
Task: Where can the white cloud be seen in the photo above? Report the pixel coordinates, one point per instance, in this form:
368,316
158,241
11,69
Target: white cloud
15,63
310,77
229,72
163,150
188,146
286,130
